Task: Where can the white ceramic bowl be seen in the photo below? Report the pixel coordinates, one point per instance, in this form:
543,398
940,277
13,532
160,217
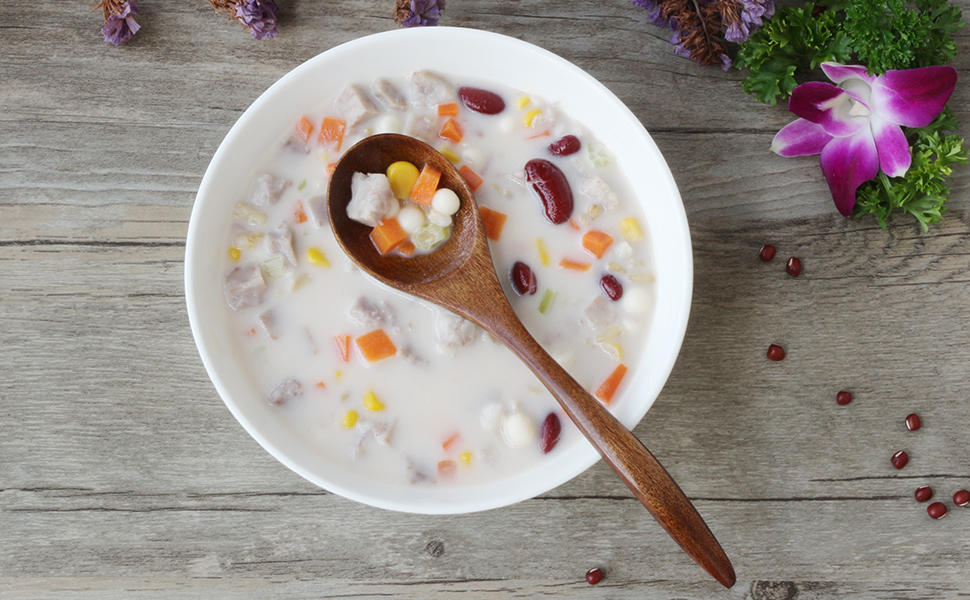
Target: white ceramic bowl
486,56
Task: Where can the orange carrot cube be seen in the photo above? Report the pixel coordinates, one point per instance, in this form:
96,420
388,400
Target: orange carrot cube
452,131
606,391
493,221
448,110
596,242
375,346
388,235
343,346
332,133
474,181
426,185
304,128
574,265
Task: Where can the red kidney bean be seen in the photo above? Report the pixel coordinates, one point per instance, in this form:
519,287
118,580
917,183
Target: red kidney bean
767,252
481,101
913,422
899,459
843,398
924,493
776,352
523,279
594,576
937,510
794,267
549,434
564,146
961,498
550,184
612,287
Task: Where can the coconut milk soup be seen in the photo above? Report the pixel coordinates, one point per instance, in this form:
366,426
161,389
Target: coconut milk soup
397,390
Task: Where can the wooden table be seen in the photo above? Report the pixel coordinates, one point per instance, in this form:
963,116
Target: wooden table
122,474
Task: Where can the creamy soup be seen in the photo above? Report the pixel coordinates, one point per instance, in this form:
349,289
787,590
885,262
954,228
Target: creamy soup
393,388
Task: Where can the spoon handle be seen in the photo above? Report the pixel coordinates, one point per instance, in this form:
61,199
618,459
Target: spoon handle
624,452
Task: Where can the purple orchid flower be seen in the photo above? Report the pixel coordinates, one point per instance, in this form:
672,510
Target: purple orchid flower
856,127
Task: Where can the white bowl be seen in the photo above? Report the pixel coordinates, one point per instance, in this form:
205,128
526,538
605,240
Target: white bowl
487,56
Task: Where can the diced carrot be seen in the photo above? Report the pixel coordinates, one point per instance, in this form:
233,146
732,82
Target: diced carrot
448,110
447,444
375,346
451,130
426,185
388,235
332,133
596,242
574,224
608,388
304,127
406,248
321,385
330,168
300,213
447,469
493,221
343,346
574,265
474,181
538,135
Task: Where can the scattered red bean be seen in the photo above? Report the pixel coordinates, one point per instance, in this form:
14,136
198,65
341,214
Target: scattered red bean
481,101
565,146
899,459
612,287
961,498
767,252
937,510
552,188
913,422
523,279
843,398
794,267
924,493
776,352
594,576
549,434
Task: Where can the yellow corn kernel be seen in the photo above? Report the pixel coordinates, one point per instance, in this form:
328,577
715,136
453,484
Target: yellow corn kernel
522,102
631,229
451,156
543,253
234,253
402,176
465,458
316,257
372,403
349,420
338,374
530,116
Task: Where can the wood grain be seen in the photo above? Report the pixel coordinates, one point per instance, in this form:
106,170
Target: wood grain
123,475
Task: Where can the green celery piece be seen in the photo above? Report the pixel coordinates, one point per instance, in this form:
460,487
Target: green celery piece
547,299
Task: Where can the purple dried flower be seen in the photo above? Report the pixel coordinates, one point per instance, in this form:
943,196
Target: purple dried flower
418,13
119,20
753,13
258,16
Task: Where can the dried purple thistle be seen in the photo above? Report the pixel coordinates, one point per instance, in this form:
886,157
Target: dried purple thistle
418,13
258,16
119,20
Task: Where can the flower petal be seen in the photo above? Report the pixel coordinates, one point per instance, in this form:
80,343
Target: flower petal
847,162
827,105
800,138
913,97
892,146
839,73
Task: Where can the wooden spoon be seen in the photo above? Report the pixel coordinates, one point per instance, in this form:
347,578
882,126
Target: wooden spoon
460,276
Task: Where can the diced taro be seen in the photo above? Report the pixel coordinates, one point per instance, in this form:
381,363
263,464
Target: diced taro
453,331
372,315
245,286
268,321
354,106
284,391
427,90
421,127
600,192
317,208
599,313
267,189
388,95
371,196
280,241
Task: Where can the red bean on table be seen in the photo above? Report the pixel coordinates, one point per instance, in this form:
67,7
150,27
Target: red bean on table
594,576
767,252
794,267
912,422
937,510
900,459
776,352
923,493
843,398
961,498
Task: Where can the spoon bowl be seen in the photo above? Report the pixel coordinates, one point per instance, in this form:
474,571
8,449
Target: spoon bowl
459,275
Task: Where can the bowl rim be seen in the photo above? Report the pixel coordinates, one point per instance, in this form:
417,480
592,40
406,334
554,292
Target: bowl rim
676,304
